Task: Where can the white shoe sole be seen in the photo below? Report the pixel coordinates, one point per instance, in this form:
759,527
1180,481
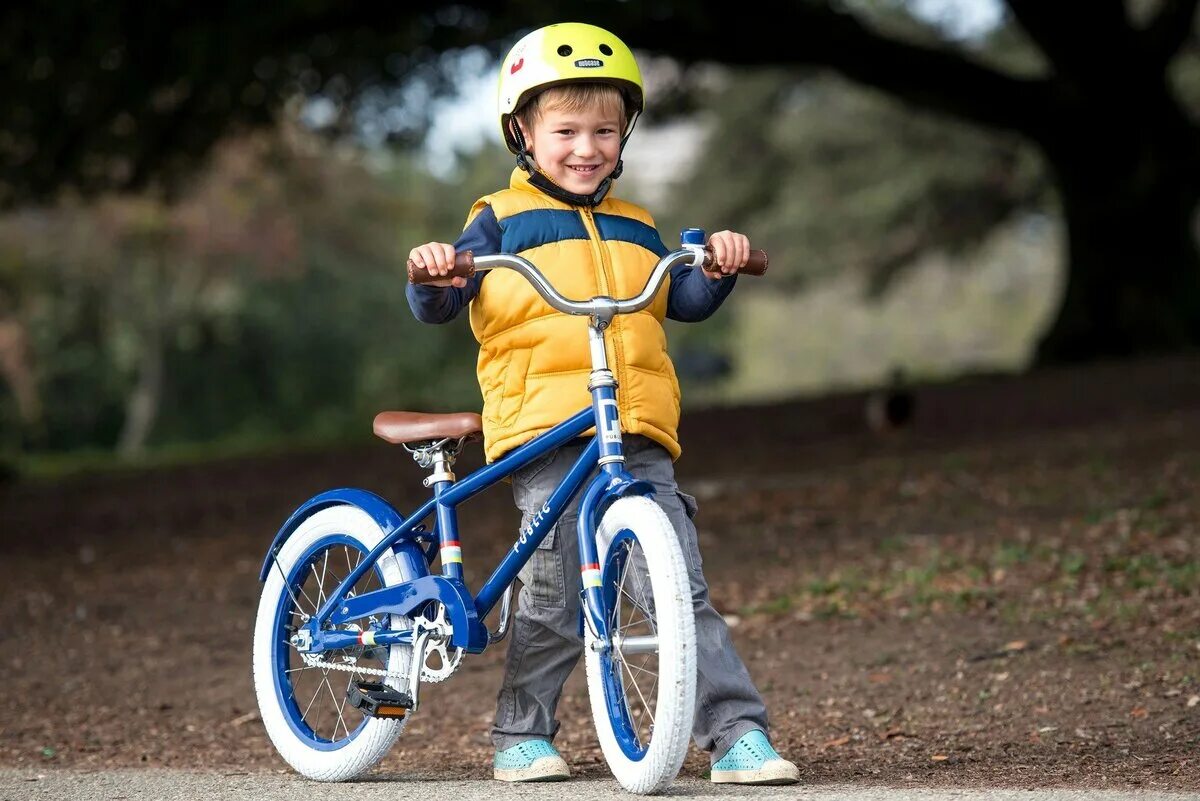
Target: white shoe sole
775,771
543,769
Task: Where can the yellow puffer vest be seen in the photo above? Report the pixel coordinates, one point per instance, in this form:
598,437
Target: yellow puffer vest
534,361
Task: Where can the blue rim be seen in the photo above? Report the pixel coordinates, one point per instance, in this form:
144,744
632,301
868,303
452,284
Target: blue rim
610,669
283,689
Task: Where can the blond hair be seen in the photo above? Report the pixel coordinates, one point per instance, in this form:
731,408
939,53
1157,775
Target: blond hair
574,98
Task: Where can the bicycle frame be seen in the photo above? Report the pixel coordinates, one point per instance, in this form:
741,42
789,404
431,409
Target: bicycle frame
465,611
404,536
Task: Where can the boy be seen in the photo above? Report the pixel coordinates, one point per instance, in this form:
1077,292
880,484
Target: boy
569,97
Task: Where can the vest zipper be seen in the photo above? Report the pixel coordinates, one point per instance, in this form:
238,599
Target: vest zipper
607,281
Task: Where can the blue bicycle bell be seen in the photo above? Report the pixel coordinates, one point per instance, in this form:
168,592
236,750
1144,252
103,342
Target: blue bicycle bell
692,236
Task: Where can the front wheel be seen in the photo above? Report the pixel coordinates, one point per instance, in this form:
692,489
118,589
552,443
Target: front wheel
643,686
303,701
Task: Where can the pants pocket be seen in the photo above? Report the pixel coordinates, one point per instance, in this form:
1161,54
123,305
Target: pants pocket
690,507
542,576
685,530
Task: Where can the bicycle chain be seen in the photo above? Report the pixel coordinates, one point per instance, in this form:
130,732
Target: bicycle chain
431,675
317,663
427,675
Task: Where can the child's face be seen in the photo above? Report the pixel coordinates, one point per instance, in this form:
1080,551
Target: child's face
577,149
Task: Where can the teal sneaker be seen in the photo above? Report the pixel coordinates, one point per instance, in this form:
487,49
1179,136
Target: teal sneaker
752,760
531,761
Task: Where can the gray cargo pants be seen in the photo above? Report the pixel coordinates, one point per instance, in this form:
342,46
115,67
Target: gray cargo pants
545,643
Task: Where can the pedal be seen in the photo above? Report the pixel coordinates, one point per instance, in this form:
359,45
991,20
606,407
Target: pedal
379,700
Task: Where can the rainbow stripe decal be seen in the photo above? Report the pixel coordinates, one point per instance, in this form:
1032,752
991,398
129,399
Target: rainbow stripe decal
451,552
366,637
591,575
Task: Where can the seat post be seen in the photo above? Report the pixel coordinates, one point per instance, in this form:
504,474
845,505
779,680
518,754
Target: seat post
440,456
441,461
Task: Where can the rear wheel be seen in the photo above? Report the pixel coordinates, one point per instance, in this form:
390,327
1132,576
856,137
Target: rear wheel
643,686
303,701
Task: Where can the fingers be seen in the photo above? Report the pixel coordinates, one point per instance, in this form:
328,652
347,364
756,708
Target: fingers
436,258
731,251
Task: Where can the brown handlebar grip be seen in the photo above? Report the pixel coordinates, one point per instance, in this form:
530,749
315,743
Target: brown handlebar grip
756,265
464,267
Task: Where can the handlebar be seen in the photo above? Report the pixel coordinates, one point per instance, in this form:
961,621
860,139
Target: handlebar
466,265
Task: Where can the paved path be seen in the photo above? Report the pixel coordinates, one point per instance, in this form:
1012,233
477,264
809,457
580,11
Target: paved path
161,785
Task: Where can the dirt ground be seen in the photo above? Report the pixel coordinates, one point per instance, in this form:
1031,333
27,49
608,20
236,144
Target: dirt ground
1004,593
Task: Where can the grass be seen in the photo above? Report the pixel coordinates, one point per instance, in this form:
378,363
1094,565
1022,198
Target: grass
56,466
1108,570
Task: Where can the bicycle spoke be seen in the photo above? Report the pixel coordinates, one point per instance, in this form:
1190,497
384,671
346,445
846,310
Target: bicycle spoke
641,669
334,697
639,692
321,580
654,684
310,703
632,623
638,603
342,708
625,696
300,586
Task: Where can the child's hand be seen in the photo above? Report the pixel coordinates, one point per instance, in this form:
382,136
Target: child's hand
730,252
436,258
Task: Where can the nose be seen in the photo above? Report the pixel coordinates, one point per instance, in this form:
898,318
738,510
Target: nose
585,146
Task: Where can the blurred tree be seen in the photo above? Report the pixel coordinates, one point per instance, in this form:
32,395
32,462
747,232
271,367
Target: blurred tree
121,94
1107,95
16,355
843,179
266,301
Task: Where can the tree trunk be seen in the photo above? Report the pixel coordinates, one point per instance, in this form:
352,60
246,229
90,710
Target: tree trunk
16,368
141,408
1129,201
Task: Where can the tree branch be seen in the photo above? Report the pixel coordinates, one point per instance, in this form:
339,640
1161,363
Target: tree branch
942,79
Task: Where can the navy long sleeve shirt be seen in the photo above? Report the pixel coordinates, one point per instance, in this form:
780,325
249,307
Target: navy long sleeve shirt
692,295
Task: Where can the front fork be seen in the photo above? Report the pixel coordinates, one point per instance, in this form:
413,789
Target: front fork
613,482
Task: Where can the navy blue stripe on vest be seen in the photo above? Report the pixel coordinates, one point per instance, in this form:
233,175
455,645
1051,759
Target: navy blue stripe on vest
539,227
626,229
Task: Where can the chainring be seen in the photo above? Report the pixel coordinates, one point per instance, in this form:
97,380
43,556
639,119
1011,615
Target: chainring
447,663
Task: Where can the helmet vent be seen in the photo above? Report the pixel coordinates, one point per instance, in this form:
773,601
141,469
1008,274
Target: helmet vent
565,50
589,62
606,50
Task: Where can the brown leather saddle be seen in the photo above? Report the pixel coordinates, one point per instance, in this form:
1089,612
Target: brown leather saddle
403,428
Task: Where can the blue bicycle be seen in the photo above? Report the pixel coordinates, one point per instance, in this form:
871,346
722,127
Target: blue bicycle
352,619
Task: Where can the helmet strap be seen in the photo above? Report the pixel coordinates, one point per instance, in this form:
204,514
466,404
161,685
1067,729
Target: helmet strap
539,180
524,157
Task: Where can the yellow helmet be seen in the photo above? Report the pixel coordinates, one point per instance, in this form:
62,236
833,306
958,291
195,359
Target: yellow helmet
567,52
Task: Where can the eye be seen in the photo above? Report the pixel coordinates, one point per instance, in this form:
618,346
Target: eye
606,50
564,50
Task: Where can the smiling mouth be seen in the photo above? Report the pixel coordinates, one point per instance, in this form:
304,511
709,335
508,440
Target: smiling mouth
585,169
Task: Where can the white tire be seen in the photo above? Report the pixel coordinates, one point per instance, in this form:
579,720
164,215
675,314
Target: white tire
303,707
646,743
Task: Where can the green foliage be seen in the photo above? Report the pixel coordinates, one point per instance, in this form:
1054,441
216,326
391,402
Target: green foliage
836,177
267,303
